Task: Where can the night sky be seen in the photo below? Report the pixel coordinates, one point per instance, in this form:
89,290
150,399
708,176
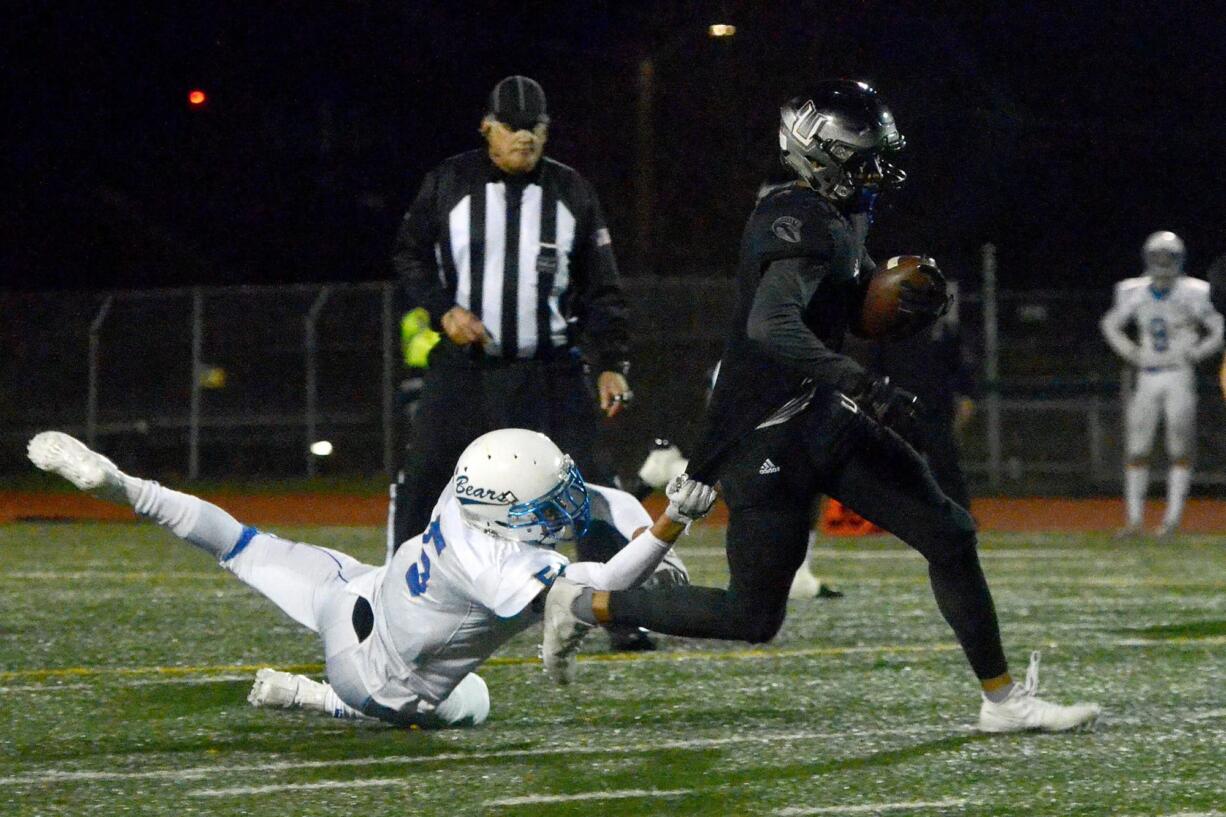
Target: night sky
1064,133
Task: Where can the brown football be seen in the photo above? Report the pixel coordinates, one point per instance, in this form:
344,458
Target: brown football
880,315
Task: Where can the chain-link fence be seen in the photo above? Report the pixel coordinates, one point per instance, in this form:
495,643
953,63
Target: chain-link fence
279,368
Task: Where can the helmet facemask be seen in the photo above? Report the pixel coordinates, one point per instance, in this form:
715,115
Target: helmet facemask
560,515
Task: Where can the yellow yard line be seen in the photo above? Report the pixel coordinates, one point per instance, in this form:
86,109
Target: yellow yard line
618,657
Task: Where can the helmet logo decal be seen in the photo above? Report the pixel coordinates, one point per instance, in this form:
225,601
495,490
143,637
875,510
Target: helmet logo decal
787,228
808,123
467,490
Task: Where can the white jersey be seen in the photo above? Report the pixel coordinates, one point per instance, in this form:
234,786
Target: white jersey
451,596
1175,328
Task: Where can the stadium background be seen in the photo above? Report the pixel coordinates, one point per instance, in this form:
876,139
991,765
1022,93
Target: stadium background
1062,135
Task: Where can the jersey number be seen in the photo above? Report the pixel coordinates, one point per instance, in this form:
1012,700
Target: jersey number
418,574
1158,332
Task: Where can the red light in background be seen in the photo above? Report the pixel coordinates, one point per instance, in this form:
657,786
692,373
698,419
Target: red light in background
196,98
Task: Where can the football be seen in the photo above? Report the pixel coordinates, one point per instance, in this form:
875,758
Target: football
904,296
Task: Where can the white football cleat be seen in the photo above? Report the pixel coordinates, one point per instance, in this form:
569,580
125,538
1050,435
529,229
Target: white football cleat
284,690
1023,712
563,631
73,460
274,688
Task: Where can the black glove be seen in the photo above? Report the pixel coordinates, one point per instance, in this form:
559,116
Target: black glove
895,408
926,304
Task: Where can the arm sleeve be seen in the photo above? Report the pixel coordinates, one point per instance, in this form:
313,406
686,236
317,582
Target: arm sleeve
628,567
1112,326
776,323
414,257
601,303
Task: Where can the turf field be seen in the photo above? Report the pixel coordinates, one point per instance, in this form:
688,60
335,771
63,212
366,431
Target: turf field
125,659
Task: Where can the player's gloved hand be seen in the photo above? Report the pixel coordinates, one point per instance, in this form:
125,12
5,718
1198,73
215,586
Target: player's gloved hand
688,499
927,303
895,408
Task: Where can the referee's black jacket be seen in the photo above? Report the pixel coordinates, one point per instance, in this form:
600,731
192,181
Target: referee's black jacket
529,254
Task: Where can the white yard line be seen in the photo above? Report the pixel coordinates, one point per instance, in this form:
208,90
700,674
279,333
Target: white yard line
115,575
1212,714
239,791
535,799
189,681
45,688
874,808
1206,640
197,772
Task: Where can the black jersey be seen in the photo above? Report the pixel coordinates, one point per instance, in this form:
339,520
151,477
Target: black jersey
800,274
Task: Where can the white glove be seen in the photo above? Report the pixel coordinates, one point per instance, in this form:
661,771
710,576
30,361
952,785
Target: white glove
688,500
661,466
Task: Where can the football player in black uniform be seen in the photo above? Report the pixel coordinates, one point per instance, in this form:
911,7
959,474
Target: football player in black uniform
791,417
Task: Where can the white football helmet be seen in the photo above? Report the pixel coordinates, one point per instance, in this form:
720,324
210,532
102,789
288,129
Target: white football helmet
1163,254
517,484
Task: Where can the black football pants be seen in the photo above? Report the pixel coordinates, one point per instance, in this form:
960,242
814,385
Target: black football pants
769,482
464,398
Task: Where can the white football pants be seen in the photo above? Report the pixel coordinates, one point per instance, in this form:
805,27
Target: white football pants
1168,394
309,583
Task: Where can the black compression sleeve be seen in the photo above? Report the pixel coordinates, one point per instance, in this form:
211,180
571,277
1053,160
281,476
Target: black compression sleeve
776,322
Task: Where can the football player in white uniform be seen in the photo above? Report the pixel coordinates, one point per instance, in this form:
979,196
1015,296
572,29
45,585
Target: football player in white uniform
402,641
1176,327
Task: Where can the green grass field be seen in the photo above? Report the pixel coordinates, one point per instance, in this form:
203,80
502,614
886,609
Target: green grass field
125,659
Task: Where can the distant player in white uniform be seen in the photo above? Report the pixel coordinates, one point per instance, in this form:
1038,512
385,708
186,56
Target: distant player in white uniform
402,641
1176,328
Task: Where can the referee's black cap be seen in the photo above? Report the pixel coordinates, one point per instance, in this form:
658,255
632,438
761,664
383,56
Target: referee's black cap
519,103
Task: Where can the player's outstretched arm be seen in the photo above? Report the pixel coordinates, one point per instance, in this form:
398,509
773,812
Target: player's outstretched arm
688,501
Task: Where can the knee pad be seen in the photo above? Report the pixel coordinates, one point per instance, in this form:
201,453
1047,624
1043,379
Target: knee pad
468,704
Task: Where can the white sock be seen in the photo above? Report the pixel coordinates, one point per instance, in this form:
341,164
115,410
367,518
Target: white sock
1178,479
337,708
1136,483
201,523
805,566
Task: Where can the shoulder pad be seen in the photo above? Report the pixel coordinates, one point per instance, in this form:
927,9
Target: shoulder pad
1131,285
794,222
1194,286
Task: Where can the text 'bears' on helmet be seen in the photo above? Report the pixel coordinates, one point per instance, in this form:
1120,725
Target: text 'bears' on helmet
837,137
1163,253
517,484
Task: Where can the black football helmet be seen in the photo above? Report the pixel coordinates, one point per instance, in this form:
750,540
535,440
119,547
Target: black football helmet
838,138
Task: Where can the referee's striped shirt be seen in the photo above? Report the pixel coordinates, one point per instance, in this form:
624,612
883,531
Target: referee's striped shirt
529,254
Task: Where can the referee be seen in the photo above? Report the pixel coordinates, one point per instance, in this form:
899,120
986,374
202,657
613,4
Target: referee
509,253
